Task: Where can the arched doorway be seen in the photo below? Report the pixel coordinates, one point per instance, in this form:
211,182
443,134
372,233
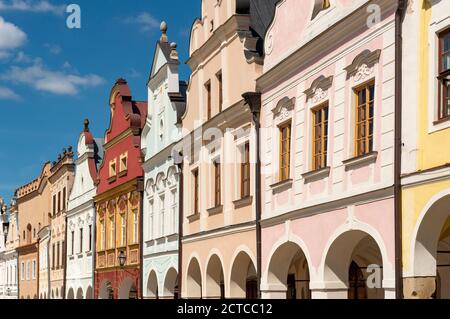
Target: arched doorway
152,285
243,283
171,284
106,290
194,280
288,268
127,289
215,287
431,253
354,264
89,293
70,294
80,293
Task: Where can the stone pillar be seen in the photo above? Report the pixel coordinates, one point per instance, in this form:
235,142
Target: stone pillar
419,287
330,294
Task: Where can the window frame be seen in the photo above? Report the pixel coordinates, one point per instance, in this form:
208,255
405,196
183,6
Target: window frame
208,94
324,127
285,172
219,77
196,184
112,168
123,167
217,183
369,138
443,77
245,168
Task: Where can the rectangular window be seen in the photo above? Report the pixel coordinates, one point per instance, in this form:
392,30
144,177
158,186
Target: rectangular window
162,215
28,270
173,218
22,271
112,168
444,75
217,183
63,254
208,98
81,240
58,247
365,97
123,230
220,88
123,162
245,171
102,234
34,269
150,222
320,137
285,151
135,226
90,238
59,202
53,256
54,205
64,199
111,232
72,244
196,191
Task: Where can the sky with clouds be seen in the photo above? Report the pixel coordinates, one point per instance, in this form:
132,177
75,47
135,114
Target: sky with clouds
52,77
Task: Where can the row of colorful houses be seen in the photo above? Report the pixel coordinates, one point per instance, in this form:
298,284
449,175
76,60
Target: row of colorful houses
307,156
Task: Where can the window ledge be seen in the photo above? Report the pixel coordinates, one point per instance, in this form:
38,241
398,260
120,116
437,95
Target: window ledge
215,210
123,173
360,161
80,255
281,186
194,217
112,179
71,257
246,201
316,175
89,253
442,120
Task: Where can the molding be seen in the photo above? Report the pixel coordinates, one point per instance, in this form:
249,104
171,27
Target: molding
431,175
316,174
362,64
281,186
194,217
215,210
359,161
246,201
319,87
220,232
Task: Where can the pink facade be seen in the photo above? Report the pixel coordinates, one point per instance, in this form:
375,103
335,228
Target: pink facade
337,220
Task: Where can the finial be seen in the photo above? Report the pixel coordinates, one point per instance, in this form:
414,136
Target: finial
163,29
86,125
173,51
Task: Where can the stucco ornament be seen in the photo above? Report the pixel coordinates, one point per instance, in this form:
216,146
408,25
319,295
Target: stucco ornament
363,73
319,95
269,43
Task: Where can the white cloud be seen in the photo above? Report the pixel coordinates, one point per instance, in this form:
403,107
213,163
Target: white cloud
144,20
42,79
4,55
53,48
11,36
8,94
32,6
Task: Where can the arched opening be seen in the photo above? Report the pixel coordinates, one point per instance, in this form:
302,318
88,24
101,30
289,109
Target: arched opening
431,259
171,284
127,289
288,268
355,265
45,295
89,293
106,290
53,294
57,293
243,282
80,293
194,280
152,285
242,6
70,294
215,288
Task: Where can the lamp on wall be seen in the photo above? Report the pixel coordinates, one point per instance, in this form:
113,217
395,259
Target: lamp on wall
122,258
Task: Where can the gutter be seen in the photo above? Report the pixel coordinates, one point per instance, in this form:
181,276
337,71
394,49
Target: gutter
140,188
253,100
180,225
401,9
65,257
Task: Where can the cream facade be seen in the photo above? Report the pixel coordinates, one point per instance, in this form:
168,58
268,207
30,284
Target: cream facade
219,228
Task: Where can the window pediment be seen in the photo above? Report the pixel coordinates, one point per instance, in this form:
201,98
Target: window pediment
362,65
319,89
283,109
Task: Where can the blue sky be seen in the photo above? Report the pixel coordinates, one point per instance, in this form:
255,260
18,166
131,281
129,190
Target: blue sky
52,77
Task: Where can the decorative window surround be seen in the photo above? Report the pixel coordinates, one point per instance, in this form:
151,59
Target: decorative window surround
316,175
360,161
362,65
281,186
246,201
215,210
319,89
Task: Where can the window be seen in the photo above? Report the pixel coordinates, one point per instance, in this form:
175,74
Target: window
444,75
34,232
64,199
90,238
81,240
245,171
320,137
196,191
112,168
162,206
102,234
22,271
150,221
208,98
123,230
285,151
59,202
173,218
58,247
135,226
111,232
54,205
63,254
72,242
28,270
217,182
123,162
220,86
53,256
365,96
34,269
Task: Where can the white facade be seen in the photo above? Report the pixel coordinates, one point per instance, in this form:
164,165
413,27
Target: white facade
8,257
81,220
160,228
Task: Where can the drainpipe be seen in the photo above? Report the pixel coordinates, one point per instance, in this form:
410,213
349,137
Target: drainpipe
65,258
140,188
253,100
398,149
180,224
48,263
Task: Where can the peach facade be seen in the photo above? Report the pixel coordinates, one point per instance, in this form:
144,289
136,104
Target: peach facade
327,223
